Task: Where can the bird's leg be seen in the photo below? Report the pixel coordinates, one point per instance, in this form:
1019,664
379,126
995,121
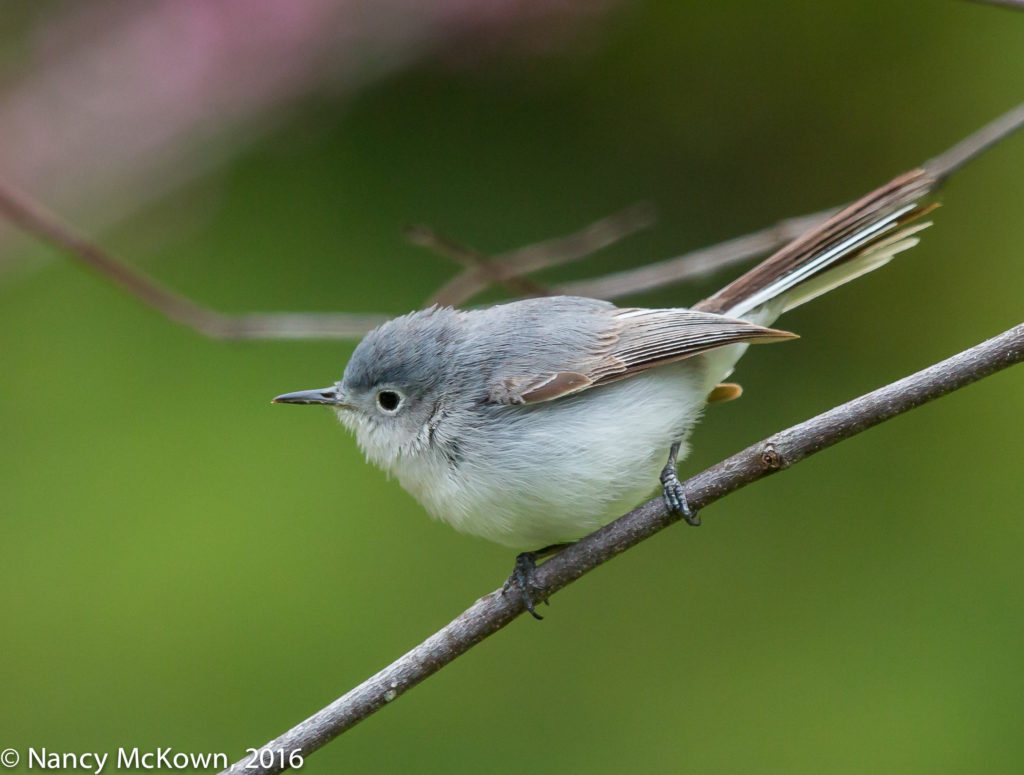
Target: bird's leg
523,575
672,490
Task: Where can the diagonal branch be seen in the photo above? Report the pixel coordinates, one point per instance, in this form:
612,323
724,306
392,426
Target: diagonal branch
698,263
32,217
495,610
544,255
945,164
469,258
507,268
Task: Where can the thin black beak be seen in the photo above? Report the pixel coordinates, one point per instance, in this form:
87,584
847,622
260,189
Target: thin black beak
328,396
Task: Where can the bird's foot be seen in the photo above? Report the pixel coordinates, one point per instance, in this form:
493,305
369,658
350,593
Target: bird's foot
675,497
523,578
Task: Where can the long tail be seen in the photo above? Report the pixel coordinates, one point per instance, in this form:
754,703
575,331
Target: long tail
856,240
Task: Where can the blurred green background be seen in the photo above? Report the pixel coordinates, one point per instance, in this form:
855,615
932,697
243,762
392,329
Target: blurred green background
186,565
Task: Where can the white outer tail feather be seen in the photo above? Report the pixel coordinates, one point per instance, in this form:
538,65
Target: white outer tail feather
767,305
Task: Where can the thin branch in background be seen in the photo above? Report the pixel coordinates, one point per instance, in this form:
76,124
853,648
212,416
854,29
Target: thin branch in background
35,219
697,263
704,261
495,610
547,254
948,162
425,237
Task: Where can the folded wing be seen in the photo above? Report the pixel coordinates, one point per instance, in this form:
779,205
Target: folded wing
628,342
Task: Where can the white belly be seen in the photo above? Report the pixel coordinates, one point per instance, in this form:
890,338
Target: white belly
529,476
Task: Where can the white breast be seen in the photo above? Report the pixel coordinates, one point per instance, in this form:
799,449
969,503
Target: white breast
529,476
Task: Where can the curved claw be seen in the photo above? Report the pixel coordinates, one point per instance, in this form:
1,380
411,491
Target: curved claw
675,497
523,578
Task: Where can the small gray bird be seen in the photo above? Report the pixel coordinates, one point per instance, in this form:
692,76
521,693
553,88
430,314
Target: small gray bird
535,422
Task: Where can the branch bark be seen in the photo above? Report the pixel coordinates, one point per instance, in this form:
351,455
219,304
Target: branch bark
703,261
472,260
507,268
544,255
495,610
31,217
696,263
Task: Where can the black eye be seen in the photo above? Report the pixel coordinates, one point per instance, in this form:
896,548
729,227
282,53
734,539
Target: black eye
388,400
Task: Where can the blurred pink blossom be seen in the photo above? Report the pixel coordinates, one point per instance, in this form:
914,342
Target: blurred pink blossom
118,103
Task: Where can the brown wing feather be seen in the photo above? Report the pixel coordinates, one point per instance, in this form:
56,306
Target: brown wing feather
543,387
636,340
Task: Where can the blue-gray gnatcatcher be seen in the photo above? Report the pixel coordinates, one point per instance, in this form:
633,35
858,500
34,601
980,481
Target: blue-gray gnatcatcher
534,422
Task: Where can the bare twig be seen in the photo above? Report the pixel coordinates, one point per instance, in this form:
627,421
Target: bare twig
35,219
506,268
469,258
549,253
703,261
945,164
495,610
424,236
696,263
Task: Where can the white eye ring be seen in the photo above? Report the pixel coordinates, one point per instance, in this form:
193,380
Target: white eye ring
389,401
